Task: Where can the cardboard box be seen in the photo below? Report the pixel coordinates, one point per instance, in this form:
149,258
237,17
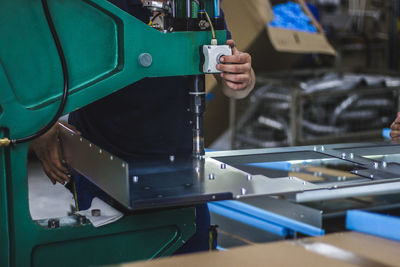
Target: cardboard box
272,48
341,249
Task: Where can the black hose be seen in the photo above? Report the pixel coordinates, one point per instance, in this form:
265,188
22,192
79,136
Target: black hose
201,5
65,76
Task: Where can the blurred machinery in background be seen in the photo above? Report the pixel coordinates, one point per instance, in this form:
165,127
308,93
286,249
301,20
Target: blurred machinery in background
364,32
312,109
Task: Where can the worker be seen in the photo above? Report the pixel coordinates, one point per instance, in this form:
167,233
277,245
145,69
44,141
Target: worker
149,117
395,127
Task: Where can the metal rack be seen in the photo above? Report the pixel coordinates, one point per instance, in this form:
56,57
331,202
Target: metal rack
325,107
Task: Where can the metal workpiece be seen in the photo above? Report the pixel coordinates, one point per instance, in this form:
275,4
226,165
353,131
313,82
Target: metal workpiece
261,185
193,181
212,55
155,182
299,173
285,208
359,190
338,171
105,170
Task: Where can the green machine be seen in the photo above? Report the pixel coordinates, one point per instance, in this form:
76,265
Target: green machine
92,49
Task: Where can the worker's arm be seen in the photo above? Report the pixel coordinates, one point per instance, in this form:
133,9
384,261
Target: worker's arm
47,149
238,78
395,127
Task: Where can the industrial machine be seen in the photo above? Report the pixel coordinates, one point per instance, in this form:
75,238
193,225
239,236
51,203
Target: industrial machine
91,49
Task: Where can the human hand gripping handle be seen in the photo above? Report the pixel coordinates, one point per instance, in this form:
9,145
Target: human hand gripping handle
395,127
48,150
237,73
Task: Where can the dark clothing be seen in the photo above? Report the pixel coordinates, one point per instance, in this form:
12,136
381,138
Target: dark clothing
147,117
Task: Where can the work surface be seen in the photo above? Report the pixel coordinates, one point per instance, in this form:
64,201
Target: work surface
340,249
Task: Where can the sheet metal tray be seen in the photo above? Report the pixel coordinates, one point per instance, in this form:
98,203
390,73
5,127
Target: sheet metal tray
159,182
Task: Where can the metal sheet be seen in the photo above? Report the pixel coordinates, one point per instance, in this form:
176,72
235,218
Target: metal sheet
354,191
190,181
285,208
155,182
161,181
382,149
100,167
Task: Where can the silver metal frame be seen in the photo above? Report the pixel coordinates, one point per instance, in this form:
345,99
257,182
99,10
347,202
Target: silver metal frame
380,177
213,178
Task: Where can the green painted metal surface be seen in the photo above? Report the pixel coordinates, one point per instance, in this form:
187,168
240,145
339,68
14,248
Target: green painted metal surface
102,45
4,234
122,245
140,236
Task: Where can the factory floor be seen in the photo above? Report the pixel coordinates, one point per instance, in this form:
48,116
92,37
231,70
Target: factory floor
45,199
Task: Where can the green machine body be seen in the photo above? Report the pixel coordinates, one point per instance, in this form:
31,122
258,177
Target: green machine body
104,48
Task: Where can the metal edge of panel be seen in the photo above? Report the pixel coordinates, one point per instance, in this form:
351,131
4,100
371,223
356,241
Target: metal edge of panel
288,209
228,153
346,192
105,170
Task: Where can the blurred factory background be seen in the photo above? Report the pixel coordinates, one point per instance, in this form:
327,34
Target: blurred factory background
333,78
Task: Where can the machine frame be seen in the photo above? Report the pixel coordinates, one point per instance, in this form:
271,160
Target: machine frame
103,47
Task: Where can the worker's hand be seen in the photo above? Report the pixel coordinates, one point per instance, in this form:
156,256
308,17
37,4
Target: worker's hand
395,127
237,73
48,150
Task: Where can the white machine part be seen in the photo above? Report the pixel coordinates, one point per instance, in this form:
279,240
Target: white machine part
212,55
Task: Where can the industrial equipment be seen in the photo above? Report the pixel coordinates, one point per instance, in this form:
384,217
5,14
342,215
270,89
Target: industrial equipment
91,49
102,49
317,107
